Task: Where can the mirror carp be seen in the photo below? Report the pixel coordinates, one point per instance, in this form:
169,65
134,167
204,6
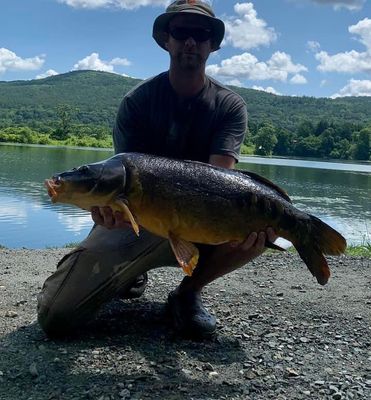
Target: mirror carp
191,202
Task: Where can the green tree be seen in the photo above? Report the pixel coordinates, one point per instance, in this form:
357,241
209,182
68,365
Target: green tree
308,147
284,143
341,150
265,140
305,129
321,127
327,142
361,149
64,113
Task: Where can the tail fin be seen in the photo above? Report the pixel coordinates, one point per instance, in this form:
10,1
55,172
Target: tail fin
318,239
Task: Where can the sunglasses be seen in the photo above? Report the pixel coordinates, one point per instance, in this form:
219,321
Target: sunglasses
198,34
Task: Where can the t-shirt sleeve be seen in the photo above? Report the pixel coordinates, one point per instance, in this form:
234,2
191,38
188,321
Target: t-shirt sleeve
230,134
129,129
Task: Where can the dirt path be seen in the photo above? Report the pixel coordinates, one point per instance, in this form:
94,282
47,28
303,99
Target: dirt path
280,336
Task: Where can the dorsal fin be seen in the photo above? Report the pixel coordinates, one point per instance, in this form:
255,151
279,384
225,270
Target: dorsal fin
266,182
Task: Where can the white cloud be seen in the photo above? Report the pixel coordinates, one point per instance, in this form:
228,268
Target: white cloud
355,88
247,31
93,62
338,4
120,61
351,61
363,29
268,89
234,82
123,4
313,46
9,61
49,72
298,79
247,66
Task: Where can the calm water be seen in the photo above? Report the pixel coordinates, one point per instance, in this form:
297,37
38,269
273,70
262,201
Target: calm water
338,193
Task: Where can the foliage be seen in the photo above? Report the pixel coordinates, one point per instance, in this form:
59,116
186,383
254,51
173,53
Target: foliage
79,108
363,250
265,140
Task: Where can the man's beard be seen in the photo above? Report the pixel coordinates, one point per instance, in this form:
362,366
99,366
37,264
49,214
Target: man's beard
190,62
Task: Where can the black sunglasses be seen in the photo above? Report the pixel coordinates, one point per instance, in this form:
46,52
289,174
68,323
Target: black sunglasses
198,34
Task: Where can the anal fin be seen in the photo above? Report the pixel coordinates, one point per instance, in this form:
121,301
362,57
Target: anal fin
186,253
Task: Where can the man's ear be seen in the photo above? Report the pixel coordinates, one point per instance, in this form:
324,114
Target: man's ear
166,39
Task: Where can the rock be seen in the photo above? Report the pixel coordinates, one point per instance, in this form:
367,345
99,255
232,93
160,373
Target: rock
208,367
290,372
33,370
125,394
11,314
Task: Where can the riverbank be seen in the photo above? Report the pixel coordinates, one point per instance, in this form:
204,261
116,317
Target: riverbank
280,336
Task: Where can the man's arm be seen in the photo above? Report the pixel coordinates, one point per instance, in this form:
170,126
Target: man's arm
222,161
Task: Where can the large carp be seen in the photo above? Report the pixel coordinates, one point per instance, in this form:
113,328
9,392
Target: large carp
191,202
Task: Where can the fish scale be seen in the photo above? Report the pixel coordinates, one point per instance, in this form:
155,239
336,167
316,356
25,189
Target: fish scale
191,202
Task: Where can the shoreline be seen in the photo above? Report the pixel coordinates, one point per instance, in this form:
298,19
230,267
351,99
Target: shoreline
257,157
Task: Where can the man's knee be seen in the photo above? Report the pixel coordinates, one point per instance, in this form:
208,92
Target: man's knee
55,308
55,322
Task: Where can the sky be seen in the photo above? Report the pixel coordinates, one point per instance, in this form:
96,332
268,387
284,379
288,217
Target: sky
319,48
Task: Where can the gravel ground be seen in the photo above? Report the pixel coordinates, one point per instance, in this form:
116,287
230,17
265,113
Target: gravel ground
280,336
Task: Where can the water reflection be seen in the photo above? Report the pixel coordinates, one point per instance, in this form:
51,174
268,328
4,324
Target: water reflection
29,219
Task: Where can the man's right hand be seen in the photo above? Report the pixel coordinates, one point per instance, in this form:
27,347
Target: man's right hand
104,216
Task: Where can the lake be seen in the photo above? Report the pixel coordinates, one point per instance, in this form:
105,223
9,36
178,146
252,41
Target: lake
338,193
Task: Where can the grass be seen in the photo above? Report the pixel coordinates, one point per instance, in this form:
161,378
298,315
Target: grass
363,250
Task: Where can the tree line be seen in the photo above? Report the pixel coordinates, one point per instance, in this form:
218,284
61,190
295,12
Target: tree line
79,108
322,140
325,139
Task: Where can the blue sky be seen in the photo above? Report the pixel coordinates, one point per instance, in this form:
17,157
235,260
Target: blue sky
318,48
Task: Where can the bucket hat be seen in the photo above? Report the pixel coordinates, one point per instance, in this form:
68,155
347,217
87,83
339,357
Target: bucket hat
196,7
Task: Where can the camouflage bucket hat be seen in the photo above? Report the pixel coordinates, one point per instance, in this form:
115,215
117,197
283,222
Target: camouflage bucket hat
196,7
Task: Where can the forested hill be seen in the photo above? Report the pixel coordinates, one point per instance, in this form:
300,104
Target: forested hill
79,108
96,96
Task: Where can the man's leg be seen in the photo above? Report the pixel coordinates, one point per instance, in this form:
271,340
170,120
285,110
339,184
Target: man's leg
107,262
185,302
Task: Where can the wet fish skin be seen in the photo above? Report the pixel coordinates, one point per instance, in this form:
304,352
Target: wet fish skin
198,203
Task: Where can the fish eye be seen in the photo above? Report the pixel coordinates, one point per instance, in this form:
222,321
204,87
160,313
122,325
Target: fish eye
83,168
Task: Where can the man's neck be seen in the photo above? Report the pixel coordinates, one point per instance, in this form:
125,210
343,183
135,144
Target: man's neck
187,83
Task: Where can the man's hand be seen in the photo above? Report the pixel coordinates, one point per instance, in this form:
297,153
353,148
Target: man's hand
252,247
104,216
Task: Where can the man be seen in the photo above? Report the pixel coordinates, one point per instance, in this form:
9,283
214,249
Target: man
184,114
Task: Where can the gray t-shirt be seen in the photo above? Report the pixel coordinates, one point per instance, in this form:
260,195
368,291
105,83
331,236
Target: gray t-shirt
151,119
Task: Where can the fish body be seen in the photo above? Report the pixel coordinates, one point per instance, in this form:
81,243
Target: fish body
191,202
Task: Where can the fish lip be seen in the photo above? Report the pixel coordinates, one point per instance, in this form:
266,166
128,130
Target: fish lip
53,185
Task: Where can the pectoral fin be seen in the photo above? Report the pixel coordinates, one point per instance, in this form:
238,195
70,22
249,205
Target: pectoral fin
185,252
125,209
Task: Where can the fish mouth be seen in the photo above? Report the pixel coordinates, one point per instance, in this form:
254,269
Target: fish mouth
54,186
